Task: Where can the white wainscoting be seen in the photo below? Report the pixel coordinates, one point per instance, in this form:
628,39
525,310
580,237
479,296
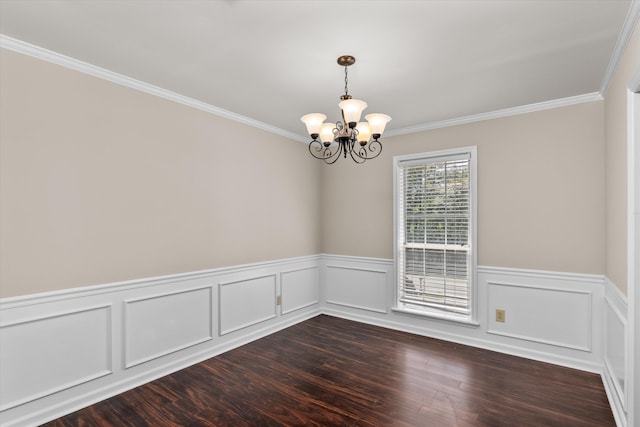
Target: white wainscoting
363,288
62,351
157,325
53,353
559,317
552,317
246,302
614,374
300,288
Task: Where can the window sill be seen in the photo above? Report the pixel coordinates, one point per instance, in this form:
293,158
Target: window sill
436,316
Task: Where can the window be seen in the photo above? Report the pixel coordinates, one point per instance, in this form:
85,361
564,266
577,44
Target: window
435,233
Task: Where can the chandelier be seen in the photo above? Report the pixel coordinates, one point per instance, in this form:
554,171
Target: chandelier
360,140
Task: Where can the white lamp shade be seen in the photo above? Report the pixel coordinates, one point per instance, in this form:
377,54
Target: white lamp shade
313,122
352,109
377,122
326,132
364,132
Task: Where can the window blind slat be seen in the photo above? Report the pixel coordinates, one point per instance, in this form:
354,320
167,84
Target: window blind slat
434,213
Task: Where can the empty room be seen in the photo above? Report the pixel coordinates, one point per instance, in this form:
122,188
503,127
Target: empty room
338,212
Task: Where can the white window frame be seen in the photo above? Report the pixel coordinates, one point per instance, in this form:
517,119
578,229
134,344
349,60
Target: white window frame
421,158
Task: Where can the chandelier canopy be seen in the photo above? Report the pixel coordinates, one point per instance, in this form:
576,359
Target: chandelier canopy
360,140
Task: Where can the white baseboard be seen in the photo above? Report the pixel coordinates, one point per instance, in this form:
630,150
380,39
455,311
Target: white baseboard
122,335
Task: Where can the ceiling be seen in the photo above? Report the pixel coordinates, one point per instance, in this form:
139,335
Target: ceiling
421,62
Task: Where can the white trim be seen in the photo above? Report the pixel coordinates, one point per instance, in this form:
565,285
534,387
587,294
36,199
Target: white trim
597,279
632,381
92,70
633,14
371,270
350,304
294,270
436,316
60,388
54,315
43,414
66,401
513,111
617,394
428,331
615,298
127,304
224,331
283,275
85,291
613,398
70,393
384,262
4,406
300,307
476,333
359,307
587,348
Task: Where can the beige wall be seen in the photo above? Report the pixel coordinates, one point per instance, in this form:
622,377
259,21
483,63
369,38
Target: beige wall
616,163
540,191
101,183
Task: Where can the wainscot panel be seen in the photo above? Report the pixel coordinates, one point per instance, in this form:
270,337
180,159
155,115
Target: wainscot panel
615,350
246,302
158,325
52,353
62,351
300,288
363,288
560,317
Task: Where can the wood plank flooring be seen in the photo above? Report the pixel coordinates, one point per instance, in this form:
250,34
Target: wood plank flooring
328,371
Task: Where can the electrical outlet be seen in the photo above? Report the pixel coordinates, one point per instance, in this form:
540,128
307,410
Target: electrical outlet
500,315
278,300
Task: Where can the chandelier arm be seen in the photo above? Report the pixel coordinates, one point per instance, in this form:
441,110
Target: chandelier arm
375,147
334,156
353,152
320,147
324,153
357,158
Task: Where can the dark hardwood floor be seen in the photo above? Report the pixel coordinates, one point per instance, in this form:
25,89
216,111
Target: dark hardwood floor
333,372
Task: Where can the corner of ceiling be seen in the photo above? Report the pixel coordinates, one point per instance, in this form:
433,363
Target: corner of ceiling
630,22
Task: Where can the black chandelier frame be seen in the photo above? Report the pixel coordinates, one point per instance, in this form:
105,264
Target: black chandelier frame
345,135
345,142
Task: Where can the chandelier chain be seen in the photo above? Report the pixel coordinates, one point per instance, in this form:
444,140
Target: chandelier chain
346,81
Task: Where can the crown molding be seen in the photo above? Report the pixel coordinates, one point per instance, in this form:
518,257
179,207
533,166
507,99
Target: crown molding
563,102
630,22
83,67
19,46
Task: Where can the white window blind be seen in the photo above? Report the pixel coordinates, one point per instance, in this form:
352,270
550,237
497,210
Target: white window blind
434,220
